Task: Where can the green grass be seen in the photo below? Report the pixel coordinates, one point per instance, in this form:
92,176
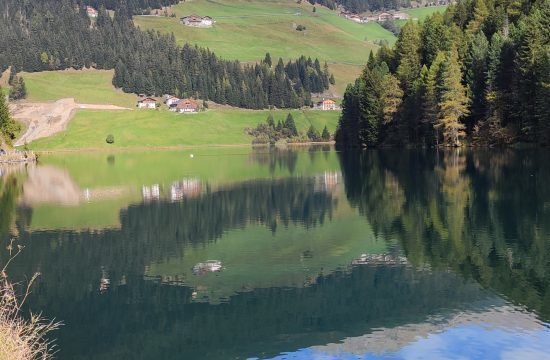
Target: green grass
86,86
424,12
157,128
246,30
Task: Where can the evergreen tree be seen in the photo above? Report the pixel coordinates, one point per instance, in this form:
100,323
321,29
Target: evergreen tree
8,127
290,125
267,60
270,121
325,136
313,134
454,102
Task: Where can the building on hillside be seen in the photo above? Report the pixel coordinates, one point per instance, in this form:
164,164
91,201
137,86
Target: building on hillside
197,21
170,100
91,12
353,17
327,105
384,17
146,102
187,106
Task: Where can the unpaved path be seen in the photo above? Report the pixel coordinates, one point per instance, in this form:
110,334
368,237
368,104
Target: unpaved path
46,119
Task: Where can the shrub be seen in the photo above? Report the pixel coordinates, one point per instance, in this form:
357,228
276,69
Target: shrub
110,139
21,339
300,28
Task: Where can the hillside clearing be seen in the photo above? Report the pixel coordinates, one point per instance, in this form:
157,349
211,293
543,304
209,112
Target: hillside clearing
84,86
262,27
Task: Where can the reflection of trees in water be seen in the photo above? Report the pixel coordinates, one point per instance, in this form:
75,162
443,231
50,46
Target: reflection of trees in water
275,158
145,320
286,159
10,190
485,214
151,232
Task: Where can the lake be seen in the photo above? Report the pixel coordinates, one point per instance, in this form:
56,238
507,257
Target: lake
310,253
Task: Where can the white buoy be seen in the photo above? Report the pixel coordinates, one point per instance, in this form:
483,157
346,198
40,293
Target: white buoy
191,156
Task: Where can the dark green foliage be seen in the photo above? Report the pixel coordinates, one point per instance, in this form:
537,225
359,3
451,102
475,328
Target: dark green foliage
267,60
290,125
300,28
358,6
313,134
475,72
325,136
270,121
110,139
8,127
18,88
268,133
57,35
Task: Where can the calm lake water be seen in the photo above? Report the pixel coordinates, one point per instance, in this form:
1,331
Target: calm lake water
305,254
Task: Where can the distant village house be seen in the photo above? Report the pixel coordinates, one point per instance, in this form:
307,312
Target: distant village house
146,102
197,21
91,12
187,106
170,100
327,105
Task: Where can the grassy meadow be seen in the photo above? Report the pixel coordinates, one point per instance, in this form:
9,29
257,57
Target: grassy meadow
85,86
246,30
423,12
156,128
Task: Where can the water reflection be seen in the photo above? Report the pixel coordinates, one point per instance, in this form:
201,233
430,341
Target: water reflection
386,255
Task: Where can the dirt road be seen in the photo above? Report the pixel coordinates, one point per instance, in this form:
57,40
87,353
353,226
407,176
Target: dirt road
46,119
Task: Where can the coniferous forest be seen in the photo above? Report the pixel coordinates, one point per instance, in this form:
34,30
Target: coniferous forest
55,35
477,74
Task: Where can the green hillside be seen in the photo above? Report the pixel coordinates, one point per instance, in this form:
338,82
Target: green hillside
246,30
85,86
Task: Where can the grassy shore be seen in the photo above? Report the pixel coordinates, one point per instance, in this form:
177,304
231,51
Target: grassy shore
161,128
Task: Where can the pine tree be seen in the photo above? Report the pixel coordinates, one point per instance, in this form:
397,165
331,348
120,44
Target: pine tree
270,121
325,136
267,59
313,134
290,125
409,56
391,97
454,102
8,127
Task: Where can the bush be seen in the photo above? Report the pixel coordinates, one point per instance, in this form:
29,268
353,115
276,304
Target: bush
300,28
110,139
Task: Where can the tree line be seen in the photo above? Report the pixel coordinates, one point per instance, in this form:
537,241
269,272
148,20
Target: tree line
135,7
480,72
57,35
271,133
358,6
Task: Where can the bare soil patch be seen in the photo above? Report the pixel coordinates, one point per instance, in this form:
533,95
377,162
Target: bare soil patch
46,119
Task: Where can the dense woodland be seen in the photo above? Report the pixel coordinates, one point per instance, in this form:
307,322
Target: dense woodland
132,6
358,6
56,35
480,72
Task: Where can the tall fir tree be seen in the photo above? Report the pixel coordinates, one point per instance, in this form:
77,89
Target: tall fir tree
453,105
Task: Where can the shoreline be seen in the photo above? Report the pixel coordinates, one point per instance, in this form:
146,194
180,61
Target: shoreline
173,147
